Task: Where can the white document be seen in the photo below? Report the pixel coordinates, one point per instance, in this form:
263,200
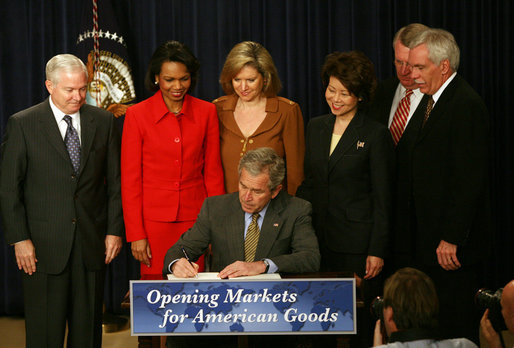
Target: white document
214,276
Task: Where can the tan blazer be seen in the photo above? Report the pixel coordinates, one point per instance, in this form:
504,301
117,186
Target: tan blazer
282,130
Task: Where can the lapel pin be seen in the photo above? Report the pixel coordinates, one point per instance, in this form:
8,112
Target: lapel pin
360,144
275,225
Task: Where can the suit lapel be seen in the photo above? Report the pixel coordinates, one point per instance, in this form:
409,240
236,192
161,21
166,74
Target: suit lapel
390,87
414,126
50,128
235,229
439,107
88,129
270,227
347,141
326,136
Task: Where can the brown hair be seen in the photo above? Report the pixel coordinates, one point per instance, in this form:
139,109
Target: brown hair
412,296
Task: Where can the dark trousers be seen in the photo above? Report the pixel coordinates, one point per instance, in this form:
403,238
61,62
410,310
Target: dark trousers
74,296
458,316
340,262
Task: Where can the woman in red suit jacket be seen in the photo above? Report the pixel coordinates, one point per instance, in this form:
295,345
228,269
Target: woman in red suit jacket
170,158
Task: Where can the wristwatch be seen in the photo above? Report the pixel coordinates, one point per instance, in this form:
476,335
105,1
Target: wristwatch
267,265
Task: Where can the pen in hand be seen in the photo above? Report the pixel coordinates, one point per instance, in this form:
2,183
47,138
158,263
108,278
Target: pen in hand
187,258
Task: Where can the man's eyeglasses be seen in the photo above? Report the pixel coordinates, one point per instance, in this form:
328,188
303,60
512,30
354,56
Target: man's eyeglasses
401,64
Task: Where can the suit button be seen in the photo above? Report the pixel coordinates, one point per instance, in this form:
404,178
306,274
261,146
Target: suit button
251,141
74,221
177,140
242,140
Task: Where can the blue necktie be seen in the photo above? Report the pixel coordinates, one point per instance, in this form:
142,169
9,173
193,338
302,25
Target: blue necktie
72,141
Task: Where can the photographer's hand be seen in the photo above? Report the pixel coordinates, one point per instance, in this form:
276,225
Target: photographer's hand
378,339
491,336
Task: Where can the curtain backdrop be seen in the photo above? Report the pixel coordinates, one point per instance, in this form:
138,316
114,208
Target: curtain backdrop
298,34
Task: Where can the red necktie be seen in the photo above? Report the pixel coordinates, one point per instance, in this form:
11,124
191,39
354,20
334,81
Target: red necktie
400,117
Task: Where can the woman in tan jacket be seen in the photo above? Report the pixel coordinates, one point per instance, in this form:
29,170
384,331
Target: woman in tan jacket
252,116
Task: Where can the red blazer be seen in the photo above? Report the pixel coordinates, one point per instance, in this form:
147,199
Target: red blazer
169,163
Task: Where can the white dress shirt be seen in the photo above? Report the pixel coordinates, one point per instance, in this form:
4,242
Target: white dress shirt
61,123
415,98
248,219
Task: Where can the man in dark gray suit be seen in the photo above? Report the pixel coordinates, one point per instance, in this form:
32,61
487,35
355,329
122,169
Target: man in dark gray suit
285,240
396,100
390,92
61,207
448,180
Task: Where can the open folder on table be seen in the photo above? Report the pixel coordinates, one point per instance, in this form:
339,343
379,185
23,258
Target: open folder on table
214,276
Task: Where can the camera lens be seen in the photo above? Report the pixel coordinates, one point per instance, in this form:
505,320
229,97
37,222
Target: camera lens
377,308
487,299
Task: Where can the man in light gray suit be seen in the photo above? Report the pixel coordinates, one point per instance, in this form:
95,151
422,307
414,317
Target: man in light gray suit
280,224
61,207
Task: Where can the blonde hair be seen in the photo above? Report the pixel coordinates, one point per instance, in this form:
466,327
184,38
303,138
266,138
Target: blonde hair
249,53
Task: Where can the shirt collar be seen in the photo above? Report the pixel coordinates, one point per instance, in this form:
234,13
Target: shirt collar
59,115
441,89
414,334
403,90
160,110
231,102
261,213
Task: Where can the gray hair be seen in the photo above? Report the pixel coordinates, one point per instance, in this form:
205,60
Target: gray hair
408,33
63,62
441,45
264,160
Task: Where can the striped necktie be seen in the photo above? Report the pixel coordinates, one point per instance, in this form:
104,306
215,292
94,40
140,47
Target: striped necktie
252,238
400,117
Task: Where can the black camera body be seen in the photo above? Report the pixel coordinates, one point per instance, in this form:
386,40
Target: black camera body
487,299
377,308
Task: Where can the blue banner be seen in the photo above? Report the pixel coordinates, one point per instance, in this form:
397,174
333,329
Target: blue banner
287,306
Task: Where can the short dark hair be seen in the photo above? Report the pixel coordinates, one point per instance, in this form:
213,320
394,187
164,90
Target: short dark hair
171,51
354,70
264,160
412,296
